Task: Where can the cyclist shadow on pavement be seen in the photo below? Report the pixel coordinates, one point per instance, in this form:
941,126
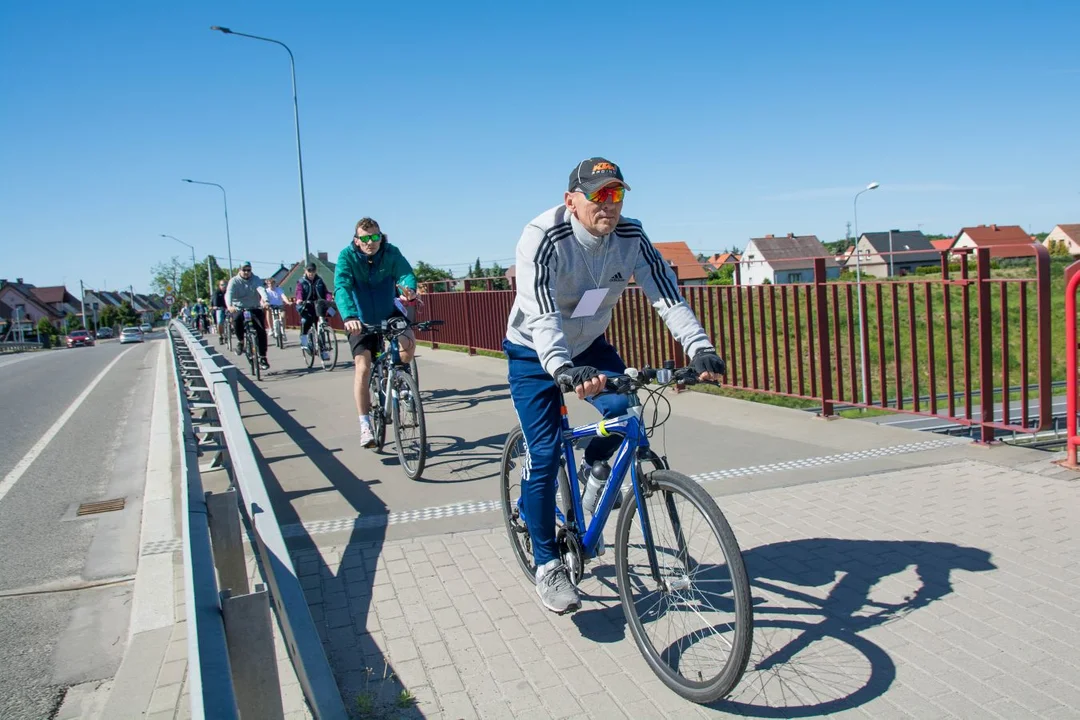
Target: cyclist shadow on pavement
453,400
812,599
453,459
339,586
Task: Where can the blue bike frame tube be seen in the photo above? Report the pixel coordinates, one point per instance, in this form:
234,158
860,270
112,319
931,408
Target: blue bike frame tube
571,471
624,460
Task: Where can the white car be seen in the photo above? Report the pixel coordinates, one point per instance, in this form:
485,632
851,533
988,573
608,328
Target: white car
130,334
146,327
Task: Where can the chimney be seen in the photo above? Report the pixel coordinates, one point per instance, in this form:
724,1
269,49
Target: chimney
770,235
791,235
19,280
992,227
324,257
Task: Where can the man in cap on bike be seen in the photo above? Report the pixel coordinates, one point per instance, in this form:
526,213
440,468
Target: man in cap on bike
573,262
312,299
246,292
368,274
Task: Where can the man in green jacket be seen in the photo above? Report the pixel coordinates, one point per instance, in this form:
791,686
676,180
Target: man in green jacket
369,273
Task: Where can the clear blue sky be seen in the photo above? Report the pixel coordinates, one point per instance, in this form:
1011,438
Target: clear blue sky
454,124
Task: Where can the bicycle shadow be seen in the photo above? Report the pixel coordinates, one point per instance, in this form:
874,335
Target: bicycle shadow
452,459
453,400
812,600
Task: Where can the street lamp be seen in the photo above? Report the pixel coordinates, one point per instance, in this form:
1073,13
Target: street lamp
225,198
864,370
194,264
296,122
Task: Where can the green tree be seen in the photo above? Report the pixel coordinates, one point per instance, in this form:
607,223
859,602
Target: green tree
127,315
498,272
724,276
44,327
430,274
72,321
1058,248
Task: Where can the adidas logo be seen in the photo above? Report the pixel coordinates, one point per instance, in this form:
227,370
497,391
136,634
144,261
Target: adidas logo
617,277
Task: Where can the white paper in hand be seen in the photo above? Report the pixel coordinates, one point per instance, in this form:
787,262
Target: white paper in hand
590,302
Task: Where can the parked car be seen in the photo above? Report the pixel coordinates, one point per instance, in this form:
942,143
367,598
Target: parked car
79,338
146,327
104,332
130,334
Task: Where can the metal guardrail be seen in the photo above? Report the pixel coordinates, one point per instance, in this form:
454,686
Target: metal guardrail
209,674
285,592
6,347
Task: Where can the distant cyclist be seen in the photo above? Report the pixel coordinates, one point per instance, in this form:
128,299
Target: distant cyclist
217,302
276,299
246,292
199,312
312,300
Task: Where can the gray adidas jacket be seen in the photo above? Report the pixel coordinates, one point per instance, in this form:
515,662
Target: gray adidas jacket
245,294
558,261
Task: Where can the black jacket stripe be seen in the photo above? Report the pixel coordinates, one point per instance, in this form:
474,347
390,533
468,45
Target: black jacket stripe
656,262
544,296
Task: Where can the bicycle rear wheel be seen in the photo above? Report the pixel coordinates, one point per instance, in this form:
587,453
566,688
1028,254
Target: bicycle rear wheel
252,348
279,333
694,626
410,431
414,370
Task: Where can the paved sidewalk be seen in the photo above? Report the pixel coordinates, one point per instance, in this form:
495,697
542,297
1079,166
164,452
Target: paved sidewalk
950,591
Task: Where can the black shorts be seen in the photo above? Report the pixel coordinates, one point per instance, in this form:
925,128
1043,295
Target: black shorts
368,340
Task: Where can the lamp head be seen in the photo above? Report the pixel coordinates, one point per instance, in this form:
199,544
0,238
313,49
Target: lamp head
873,186
220,29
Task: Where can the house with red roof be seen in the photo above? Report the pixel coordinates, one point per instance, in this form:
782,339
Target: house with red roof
683,261
1003,241
1068,234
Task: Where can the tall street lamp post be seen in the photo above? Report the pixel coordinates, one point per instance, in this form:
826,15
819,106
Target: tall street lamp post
194,263
296,122
864,370
225,198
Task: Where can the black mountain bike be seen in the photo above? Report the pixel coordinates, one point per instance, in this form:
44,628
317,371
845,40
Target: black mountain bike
323,342
395,397
251,345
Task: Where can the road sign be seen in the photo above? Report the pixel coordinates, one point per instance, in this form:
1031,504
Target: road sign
168,288
166,316
169,300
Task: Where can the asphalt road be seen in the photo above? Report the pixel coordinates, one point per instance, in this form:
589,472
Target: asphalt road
65,582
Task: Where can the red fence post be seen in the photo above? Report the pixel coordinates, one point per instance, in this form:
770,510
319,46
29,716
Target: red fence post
468,321
822,317
1072,279
986,352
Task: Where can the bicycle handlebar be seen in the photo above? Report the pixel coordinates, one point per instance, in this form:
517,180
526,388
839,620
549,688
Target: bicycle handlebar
396,326
634,379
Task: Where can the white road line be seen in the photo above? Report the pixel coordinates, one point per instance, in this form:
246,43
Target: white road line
473,507
23,465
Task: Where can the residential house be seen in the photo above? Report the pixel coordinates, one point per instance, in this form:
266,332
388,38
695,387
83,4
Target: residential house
943,243
22,306
895,253
1068,234
59,299
719,260
283,272
1003,241
683,262
787,259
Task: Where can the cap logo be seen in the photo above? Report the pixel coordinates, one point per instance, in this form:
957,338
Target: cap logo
602,167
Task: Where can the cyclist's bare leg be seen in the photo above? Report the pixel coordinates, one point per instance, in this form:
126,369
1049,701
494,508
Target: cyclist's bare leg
406,347
361,378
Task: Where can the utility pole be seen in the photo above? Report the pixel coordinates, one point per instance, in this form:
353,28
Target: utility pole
209,280
82,299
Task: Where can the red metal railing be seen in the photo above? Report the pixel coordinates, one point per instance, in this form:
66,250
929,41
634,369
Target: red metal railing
936,345
1072,275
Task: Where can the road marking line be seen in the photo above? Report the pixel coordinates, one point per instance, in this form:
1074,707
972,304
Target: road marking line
473,507
23,465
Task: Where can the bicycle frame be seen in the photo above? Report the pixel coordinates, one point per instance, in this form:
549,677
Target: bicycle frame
395,358
635,443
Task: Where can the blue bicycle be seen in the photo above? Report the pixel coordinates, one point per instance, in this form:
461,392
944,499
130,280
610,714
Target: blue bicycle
679,569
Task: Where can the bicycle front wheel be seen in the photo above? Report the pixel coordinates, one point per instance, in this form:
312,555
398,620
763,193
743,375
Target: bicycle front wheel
410,432
280,333
330,343
693,623
414,370
510,480
378,416
309,354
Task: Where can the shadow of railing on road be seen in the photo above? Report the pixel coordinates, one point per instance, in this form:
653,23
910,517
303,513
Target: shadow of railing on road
341,598
464,458
809,657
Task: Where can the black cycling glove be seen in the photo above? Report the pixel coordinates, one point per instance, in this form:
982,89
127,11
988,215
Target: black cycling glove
708,361
569,376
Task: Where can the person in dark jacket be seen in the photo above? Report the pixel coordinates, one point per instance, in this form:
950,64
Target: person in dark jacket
313,300
217,302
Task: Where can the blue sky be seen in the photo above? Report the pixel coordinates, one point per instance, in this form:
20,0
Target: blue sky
454,124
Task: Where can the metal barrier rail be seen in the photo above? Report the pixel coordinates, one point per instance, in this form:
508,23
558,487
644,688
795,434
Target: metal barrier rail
6,347
285,592
209,674
1072,275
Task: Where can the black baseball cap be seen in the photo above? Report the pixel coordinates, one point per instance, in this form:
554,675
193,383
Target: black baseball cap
311,266
592,174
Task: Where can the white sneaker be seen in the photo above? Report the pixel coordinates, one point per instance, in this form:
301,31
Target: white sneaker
304,341
367,435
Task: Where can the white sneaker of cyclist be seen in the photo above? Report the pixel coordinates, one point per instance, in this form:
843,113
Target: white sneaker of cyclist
304,341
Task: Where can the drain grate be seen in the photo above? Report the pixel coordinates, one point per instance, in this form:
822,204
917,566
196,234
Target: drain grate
104,506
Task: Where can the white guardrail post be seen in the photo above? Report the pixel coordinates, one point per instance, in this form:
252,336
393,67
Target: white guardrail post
283,590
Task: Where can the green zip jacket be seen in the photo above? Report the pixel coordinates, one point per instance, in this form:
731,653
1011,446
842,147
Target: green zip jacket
365,287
